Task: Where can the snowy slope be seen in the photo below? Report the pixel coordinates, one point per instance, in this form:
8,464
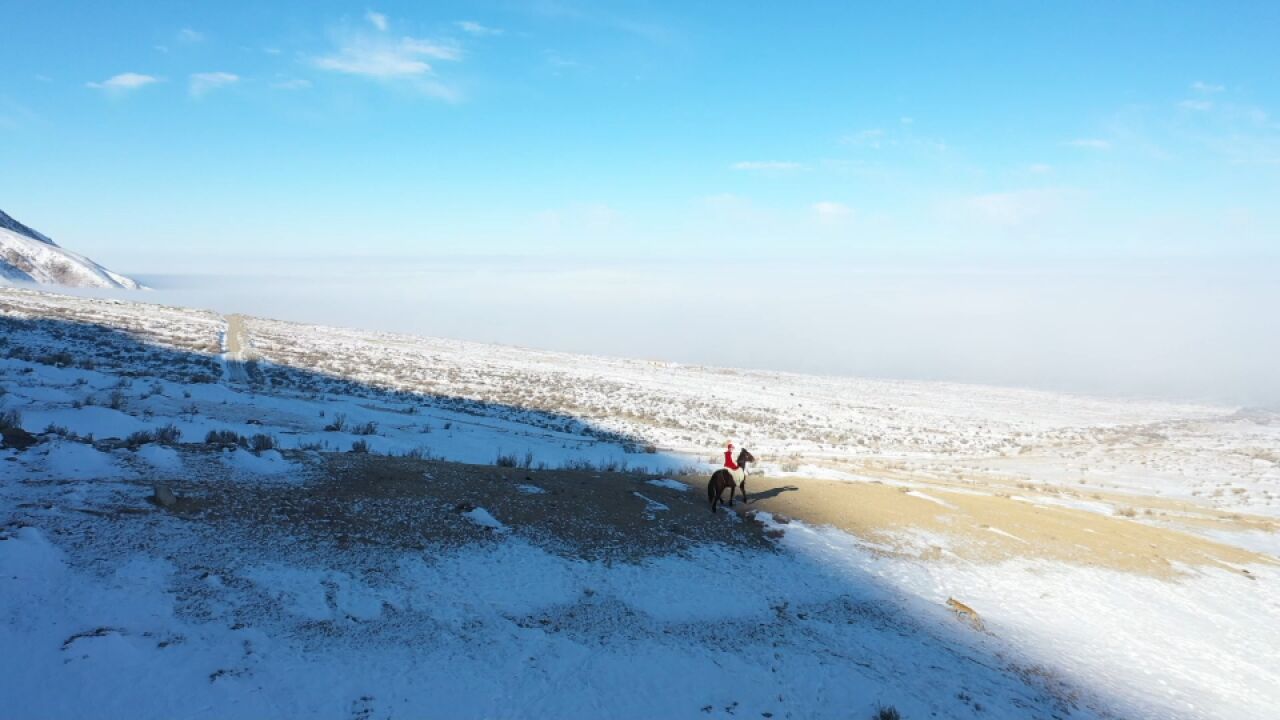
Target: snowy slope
261,600
29,256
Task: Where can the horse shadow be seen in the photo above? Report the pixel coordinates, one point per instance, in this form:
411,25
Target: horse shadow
770,493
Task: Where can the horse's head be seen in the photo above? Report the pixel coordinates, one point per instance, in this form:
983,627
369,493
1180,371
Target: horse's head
745,457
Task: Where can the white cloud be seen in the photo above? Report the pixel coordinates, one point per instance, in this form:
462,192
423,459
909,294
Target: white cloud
377,20
1017,208
291,84
124,82
1200,105
1204,87
380,57
202,83
474,28
766,165
830,210
187,35
866,138
1090,144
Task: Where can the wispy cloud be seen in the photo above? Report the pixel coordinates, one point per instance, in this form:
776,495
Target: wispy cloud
766,165
1016,208
377,20
124,82
1090,144
291,84
380,57
472,27
14,114
830,210
1039,168
589,14
1200,105
202,83
187,35
902,138
1204,87
871,138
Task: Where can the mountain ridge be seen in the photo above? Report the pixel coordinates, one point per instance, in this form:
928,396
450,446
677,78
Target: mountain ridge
29,256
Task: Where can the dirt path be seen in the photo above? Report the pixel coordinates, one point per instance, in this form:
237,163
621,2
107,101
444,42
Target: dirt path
236,350
988,527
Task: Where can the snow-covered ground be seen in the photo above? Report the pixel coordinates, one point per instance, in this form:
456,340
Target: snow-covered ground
110,606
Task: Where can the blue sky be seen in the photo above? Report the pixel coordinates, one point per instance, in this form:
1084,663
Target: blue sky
155,135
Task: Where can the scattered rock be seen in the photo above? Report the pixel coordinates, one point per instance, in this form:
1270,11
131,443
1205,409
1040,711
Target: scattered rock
163,496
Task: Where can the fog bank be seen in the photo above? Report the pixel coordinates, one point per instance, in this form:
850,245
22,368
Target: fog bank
1177,332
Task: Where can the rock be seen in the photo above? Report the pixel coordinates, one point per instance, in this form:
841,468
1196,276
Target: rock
163,496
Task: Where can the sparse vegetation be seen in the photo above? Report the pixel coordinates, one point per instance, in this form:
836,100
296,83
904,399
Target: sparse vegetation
339,423
262,442
886,712
225,437
369,428
137,439
168,434
421,453
10,420
360,446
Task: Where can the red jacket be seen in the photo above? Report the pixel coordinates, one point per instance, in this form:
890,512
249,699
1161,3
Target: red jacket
728,460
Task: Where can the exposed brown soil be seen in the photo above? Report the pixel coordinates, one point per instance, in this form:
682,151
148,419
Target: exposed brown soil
355,499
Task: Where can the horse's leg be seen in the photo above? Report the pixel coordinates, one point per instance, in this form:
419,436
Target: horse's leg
733,491
744,489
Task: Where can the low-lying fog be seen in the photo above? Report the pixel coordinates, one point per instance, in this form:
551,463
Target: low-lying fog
1173,331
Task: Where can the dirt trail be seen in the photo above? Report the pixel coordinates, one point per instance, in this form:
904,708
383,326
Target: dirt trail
986,527
236,351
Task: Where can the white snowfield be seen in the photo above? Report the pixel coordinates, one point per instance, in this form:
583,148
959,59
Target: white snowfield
110,607
25,259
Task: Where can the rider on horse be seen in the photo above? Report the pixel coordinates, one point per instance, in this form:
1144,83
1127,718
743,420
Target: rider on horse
728,458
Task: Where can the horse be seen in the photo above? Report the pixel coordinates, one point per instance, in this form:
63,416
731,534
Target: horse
725,478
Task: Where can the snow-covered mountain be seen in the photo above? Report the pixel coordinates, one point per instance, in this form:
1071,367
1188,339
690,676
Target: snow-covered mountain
29,256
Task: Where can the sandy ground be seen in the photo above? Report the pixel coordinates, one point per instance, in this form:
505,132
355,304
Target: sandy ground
992,525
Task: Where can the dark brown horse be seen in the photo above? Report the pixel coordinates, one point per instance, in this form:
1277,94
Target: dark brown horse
723,478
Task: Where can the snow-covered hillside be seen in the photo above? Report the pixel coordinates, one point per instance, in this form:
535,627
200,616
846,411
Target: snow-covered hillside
370,525
29,256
